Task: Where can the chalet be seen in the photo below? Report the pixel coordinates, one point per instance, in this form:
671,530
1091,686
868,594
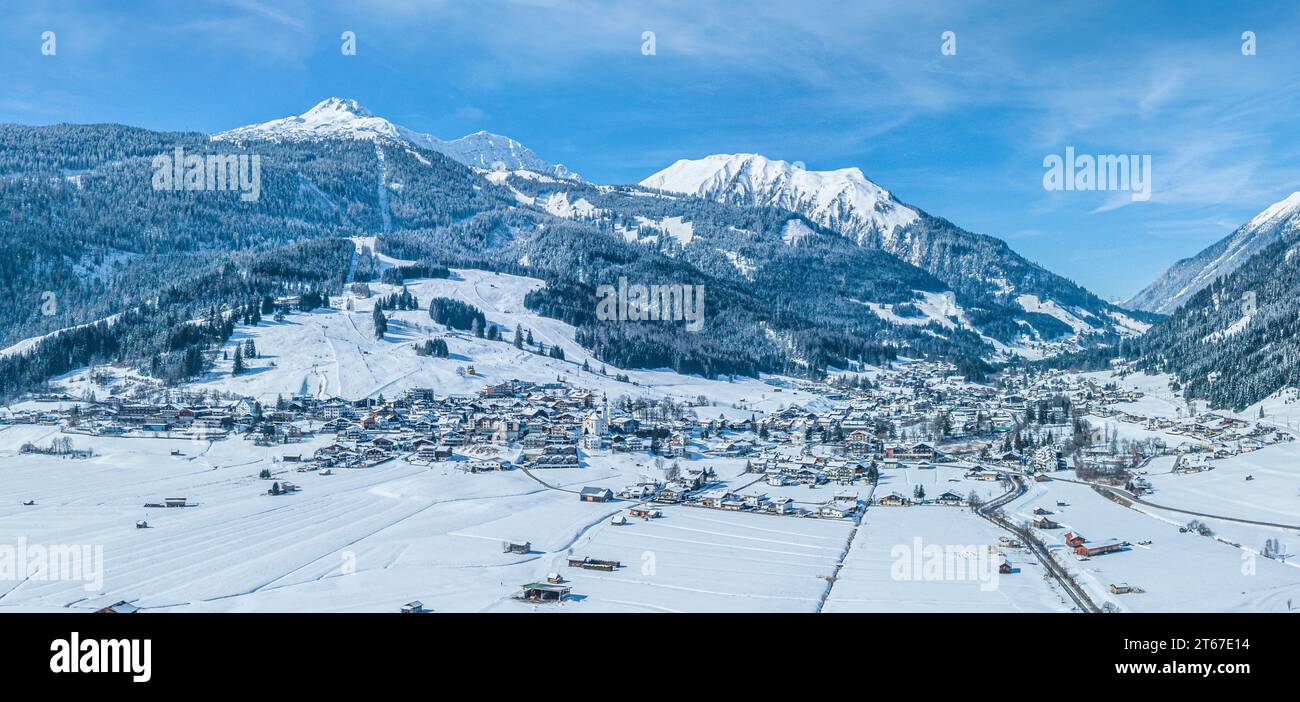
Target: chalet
841,471
949,498
516,547
694,478
859,442
715,498
671,493
894,499
1045,523
414,607
781,505
434,453
596,494
1073,540
838,509
732,504
644,512
639,491
487,465
625,425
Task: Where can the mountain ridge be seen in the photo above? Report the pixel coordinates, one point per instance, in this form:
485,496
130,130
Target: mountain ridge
1188,276
845,200
345,118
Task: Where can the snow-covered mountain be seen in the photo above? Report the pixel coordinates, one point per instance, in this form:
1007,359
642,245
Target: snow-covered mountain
1188,276
495,152
339,118
843,200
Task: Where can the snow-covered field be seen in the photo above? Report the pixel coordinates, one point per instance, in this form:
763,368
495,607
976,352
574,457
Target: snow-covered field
881,573
704,560
1179,572
373,539
1271,495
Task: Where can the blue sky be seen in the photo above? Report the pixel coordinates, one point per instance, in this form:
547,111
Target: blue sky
832,84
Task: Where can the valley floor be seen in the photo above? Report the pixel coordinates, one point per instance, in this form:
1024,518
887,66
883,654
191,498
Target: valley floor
372,539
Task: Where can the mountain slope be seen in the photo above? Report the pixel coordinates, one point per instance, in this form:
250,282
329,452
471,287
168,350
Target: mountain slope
1188,276
1236,340
87,226
1047,305
338,118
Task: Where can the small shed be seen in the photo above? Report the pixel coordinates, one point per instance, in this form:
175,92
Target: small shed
545,592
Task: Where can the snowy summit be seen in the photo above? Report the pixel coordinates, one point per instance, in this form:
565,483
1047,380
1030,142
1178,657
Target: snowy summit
341,118
843,199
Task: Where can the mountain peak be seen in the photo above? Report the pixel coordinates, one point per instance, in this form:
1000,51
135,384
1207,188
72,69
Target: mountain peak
339,105
842,199
1283,208
344,118
337,118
